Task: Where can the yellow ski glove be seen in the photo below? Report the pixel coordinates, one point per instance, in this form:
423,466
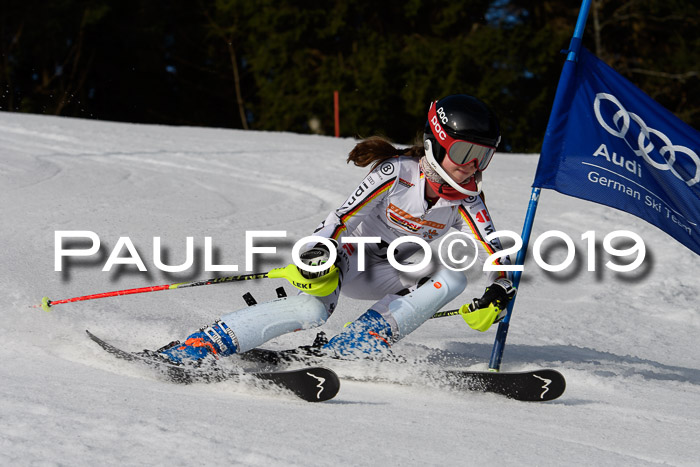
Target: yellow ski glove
480,319
484,311
319,286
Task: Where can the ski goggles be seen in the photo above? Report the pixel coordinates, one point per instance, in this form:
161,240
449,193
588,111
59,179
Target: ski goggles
460,152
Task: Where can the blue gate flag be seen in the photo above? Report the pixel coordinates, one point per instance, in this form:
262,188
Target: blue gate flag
610,143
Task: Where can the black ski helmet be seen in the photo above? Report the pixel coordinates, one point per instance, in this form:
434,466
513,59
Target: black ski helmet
463,117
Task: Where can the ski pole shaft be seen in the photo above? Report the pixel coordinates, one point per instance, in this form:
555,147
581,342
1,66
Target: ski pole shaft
46,303
442,314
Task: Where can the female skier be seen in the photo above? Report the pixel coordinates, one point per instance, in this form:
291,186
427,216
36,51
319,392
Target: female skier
423,192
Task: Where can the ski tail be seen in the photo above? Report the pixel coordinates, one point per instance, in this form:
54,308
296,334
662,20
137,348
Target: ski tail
312,384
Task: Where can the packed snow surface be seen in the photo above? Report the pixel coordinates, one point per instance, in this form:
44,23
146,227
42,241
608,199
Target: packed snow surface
626,342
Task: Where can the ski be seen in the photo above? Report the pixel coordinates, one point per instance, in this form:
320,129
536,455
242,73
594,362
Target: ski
280,357
533,386
312,384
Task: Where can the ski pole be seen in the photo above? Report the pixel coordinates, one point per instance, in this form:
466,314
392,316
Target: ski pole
442,314
46,303
319,286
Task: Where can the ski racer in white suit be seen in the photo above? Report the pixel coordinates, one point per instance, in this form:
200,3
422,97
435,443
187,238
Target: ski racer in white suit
423,192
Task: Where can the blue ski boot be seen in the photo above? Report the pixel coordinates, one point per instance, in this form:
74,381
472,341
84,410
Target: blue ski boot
206,344
370,334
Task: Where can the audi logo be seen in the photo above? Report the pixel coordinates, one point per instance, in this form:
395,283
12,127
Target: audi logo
624,123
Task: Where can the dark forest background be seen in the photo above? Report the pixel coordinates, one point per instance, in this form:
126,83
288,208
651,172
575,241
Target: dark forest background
273,65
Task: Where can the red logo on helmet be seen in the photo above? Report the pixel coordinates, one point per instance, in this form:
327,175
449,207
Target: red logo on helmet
438,285
437,128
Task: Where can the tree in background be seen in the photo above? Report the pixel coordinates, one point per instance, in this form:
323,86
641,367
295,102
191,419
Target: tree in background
273,65
655,44
47,54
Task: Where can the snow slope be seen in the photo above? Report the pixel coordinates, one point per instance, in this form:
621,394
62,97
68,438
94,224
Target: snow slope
627,342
